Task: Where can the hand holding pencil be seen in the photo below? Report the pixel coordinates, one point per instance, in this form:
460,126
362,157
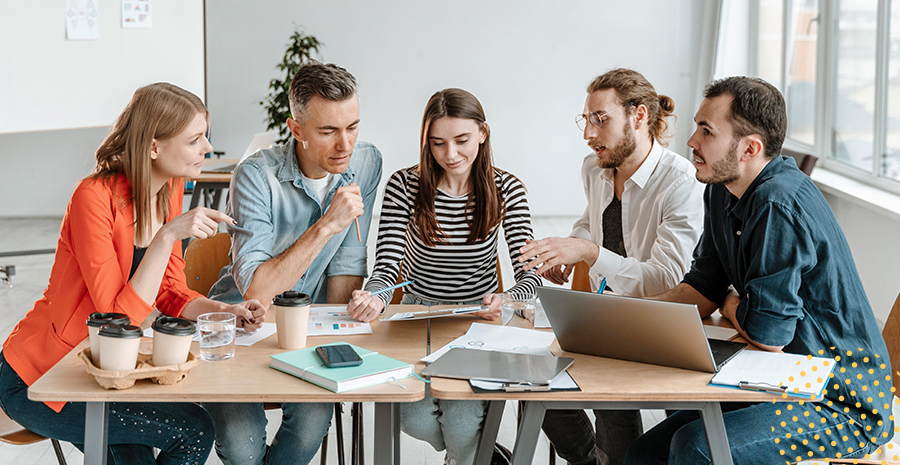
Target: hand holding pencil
366,306
345,209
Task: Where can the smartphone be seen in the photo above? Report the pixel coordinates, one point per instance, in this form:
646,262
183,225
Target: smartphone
339,355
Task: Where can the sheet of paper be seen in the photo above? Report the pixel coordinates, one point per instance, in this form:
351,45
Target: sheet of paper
540,316
503,338
136,14
720,333
241,337
426,314
82,20
777,369
562,381
334,321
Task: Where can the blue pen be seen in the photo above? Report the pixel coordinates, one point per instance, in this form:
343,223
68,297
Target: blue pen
391,288
602,286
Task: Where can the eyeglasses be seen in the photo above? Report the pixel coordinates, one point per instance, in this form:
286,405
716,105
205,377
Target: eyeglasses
595,117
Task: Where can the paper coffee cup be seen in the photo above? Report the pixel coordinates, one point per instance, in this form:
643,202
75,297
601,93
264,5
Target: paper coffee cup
119,346
171,340
291,319
94,322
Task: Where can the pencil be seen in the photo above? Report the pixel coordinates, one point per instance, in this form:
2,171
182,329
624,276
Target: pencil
602,286
358,236
391,288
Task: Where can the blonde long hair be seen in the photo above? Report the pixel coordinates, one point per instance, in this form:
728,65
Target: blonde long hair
158,111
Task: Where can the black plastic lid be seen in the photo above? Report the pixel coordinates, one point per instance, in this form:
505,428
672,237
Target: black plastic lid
121,331
292,299
174,326
98,319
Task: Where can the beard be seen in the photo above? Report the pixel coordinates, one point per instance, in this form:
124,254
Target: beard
614,156
724,171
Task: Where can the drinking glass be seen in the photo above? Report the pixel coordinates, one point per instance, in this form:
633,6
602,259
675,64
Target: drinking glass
216,336
510,302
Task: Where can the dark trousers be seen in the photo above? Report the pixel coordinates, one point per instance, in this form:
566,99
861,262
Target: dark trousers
576,441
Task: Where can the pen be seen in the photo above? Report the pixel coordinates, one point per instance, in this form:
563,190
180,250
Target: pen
391,288
602,286
764,387
358,236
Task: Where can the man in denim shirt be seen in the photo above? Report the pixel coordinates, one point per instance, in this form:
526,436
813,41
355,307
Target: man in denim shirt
770,234
295,207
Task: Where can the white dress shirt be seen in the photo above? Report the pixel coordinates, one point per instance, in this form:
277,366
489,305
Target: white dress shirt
662,218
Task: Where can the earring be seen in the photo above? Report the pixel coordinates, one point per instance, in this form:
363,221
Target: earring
305,145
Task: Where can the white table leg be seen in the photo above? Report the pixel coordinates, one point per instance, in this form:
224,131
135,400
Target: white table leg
96,427
387,434
714,426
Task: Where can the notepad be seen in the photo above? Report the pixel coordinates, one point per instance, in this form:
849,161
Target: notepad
375,369
798,375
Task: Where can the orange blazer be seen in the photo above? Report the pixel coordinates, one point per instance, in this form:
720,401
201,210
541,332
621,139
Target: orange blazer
90,274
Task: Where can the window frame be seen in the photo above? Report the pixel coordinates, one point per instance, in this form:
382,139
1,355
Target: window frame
826,86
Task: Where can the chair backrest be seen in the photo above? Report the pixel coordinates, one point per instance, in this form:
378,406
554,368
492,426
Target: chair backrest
581,280
398,293
891,334
204,259
805,161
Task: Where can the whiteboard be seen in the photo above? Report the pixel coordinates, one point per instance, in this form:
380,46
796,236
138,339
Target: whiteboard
50,83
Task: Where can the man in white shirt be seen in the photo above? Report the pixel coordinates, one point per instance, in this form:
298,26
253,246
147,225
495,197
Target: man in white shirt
643,219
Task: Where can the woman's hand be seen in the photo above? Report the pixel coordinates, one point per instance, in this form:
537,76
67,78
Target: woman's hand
250,314
365,307
493,303
200,223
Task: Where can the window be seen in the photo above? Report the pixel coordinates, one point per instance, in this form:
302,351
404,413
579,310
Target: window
837,62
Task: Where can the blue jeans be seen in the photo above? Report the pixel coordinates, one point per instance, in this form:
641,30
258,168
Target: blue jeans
571,434
241,432
183,432
454,425
680,439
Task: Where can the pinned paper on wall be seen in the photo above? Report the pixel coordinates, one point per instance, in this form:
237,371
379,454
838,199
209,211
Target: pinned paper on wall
82,20
136,14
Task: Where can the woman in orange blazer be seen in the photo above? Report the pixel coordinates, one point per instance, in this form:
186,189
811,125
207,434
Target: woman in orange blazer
119,251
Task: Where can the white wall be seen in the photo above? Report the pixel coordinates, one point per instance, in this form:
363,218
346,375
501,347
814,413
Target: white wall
529,63
876,251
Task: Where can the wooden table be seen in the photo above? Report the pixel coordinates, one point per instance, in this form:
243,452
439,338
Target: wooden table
248,378
605,384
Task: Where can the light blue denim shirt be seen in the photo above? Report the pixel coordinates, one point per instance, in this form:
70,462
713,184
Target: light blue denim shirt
274,205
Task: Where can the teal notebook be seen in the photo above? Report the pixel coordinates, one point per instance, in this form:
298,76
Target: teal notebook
375,369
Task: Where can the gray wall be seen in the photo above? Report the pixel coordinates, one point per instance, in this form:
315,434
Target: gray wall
529,63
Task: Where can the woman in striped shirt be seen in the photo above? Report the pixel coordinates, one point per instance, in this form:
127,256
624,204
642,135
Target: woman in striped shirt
441,219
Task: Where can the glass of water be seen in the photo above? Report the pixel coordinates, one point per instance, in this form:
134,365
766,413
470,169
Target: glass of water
216,335
510,302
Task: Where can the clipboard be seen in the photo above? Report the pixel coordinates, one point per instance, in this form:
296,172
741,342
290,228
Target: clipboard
562,382
439,313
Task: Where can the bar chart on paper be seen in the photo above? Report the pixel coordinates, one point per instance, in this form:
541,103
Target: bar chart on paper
333,321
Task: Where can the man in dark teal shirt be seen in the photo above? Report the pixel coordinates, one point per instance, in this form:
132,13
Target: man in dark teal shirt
774,261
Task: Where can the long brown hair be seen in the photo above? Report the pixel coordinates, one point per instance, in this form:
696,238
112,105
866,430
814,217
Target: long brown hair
158,111
485,207
632,87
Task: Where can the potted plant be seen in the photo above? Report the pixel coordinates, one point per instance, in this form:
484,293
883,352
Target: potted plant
299,51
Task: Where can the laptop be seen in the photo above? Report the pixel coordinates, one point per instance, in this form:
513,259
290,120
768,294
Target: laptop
629,328
497,366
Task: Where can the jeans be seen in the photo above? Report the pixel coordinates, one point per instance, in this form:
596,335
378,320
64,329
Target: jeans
241,432
454,425
183,432
571,434
680,439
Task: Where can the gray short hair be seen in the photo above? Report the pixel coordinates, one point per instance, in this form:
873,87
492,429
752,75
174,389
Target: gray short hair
328,81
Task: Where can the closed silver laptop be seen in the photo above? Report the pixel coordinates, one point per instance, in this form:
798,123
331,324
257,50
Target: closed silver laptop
629,328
